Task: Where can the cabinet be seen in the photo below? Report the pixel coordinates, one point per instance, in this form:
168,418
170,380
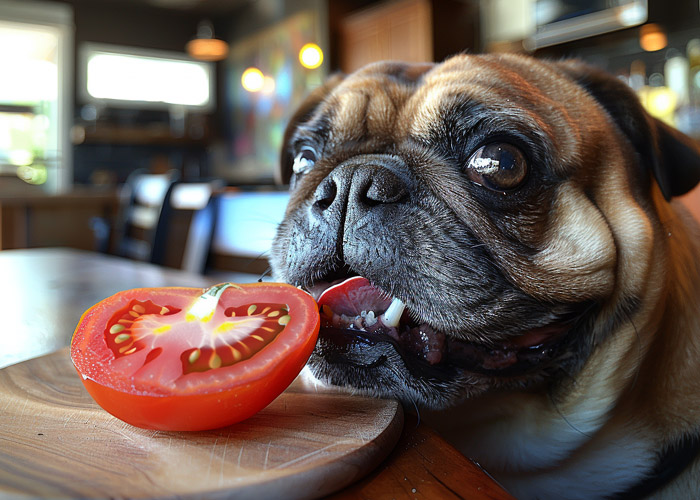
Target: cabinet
398,30
407,30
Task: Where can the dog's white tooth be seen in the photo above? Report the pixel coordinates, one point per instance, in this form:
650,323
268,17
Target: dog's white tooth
392,315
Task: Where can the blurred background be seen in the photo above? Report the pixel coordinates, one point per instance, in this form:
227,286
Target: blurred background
126,123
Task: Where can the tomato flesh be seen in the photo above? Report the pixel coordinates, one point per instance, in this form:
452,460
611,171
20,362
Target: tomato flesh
155,359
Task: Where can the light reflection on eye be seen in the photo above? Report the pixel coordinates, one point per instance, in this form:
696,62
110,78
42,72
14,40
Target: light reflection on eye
497,166
304,161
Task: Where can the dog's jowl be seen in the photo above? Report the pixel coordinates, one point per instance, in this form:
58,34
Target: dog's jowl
547,285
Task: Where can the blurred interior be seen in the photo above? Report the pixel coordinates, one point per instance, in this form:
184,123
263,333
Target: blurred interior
109,107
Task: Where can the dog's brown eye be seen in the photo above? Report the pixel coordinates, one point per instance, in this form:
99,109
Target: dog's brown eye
498,166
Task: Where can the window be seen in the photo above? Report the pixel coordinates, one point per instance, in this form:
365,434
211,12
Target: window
120,76
34,95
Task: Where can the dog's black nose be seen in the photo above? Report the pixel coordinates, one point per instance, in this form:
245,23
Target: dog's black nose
356,189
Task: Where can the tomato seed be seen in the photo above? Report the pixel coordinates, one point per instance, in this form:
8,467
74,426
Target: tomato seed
194,356
122,338
284,319
273,314
252,309
116,328
215,362
139,309
164,310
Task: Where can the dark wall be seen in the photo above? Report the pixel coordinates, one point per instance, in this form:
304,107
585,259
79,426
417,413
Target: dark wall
131,24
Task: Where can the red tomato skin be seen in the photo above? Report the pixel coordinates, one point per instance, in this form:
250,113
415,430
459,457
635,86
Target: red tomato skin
200,410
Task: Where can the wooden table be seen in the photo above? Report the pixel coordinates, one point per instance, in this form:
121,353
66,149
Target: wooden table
43,293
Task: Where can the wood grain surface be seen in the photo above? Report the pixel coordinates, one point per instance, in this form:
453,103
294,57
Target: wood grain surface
423,466
56,442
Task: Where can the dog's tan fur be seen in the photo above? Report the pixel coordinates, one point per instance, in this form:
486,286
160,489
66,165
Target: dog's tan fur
640,388
605,234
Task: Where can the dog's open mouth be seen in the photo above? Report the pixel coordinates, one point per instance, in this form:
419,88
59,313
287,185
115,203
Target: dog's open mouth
354,313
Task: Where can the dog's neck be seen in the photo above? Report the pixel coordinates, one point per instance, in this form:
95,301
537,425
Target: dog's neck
586,435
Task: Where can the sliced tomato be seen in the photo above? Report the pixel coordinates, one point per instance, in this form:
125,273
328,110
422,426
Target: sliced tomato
188,359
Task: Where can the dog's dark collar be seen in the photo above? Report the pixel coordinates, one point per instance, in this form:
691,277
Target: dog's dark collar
669,465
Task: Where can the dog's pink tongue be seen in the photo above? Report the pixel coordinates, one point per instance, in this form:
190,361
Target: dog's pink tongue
353,296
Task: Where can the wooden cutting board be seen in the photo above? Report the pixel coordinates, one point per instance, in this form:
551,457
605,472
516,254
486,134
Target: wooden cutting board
56,442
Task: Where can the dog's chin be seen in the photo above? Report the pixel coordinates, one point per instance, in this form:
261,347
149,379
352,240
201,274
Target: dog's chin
421,365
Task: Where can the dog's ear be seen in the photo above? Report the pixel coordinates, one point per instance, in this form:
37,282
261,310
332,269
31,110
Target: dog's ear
672,157
301,115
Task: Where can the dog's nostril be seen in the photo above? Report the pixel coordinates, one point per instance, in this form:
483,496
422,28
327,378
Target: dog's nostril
362,187
325,194
383,188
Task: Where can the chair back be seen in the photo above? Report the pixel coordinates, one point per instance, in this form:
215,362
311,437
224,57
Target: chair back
186,225
142,199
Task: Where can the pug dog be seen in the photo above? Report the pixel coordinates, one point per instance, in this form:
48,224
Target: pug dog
518,215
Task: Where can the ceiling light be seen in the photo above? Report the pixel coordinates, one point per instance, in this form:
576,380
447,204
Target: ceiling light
204,46
311,56
652,37
253,80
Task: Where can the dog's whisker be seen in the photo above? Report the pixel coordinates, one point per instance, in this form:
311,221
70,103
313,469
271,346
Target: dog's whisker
640,351
564,417
415,406
265,273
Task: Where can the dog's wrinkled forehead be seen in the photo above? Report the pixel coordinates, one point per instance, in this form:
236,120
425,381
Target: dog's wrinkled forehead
368,103
391,101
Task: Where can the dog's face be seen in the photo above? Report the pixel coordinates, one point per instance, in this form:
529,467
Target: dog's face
508,205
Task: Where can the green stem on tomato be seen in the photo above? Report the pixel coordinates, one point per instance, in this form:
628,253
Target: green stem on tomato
204,306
